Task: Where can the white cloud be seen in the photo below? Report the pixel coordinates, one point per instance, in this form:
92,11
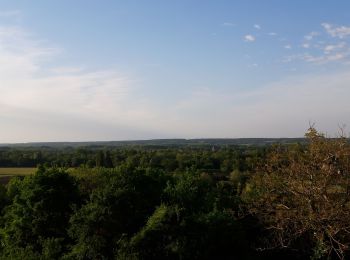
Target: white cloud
324,51
249,38
288,46
272,33
339,32
310,36
320,59
41,102
253,65
228,24
257,26
337,56
334,47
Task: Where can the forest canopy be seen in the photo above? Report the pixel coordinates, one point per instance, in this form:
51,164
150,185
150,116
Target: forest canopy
222,202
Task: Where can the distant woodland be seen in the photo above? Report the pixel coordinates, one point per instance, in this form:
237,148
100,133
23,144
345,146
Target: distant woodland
171,199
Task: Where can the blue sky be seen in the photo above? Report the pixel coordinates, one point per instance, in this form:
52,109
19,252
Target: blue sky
114,70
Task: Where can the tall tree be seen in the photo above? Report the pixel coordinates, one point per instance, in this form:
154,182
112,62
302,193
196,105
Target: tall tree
40,212
304,195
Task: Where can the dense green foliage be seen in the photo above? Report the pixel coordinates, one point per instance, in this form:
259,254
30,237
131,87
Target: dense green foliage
39,212
218,159
179,203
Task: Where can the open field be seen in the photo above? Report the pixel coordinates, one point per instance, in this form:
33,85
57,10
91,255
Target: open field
16,171
7,173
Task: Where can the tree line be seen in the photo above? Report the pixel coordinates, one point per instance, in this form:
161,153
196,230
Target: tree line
220,159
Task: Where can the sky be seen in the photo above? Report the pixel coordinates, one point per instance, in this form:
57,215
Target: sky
88,70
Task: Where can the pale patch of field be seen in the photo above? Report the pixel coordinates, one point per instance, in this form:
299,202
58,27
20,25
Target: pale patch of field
16,171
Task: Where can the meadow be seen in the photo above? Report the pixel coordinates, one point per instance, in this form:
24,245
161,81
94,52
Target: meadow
16,171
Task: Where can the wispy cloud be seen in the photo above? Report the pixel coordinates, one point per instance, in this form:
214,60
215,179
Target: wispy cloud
228,24
249,38
10,13
76,103
334,49
318,59
257,26
336,31
65,102
311,35
254,65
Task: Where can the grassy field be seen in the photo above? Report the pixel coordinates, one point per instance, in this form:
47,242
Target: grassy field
16,171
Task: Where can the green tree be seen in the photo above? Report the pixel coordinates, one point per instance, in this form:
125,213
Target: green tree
40,211
302,195
108,163
120,207
100,159
193,223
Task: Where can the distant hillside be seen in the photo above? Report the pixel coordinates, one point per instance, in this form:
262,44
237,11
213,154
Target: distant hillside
163,143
